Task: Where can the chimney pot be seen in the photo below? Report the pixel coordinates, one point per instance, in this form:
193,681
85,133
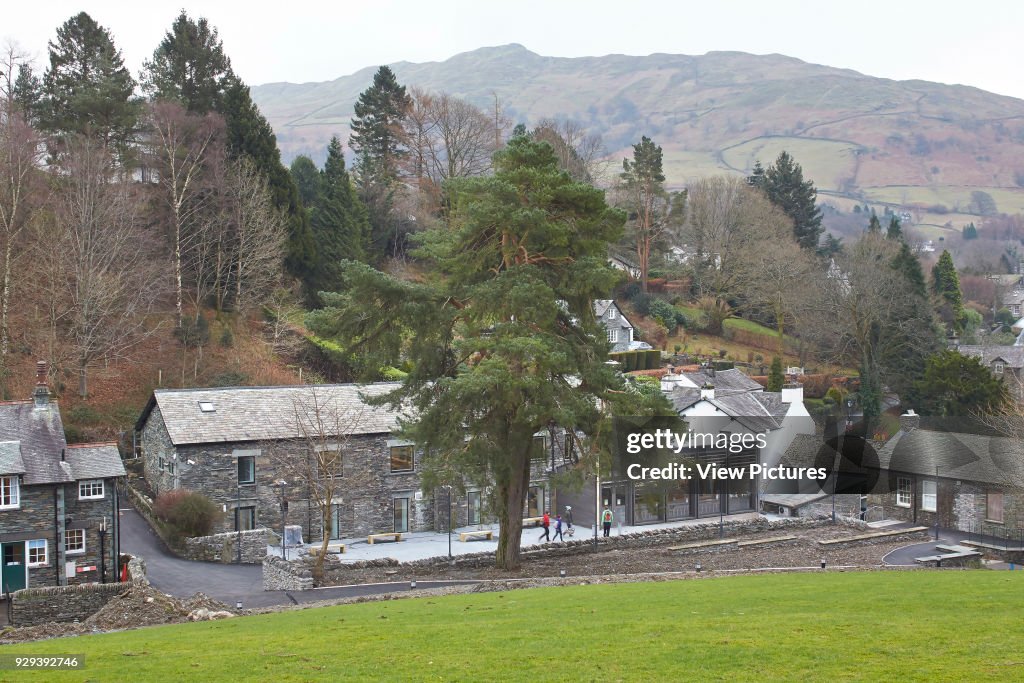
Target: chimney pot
909,421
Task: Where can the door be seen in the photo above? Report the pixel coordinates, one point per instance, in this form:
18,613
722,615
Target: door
14,574
401,515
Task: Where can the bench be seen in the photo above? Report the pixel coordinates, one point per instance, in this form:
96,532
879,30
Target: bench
484,534
872,536
765,541
532,521
332,548
395,536
703,544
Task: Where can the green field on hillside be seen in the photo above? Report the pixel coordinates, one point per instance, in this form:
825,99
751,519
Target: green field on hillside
951,625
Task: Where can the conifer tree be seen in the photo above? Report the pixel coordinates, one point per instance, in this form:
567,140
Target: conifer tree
874,225
87,90
784,185
946,286
895,230
775,377
307,179
189,66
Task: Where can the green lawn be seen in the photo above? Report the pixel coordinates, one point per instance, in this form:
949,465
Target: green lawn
831,626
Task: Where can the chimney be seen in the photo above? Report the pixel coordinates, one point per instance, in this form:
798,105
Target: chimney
670,382
707,391
909,421
41,395
792,393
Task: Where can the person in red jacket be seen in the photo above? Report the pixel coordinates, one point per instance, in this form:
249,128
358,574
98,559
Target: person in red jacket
546,523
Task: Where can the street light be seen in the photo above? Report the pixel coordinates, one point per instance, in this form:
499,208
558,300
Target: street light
449,488
284,513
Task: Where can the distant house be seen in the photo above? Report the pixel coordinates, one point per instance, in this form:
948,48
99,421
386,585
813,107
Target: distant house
58,502
227,443
1014,301
1005,362
618,327
626,264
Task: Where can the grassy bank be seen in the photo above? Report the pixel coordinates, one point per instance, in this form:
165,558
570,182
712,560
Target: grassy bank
832,626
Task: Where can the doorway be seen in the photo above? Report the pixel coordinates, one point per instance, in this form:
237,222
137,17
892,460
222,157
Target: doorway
15,576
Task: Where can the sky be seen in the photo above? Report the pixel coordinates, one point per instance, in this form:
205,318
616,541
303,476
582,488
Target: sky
949,42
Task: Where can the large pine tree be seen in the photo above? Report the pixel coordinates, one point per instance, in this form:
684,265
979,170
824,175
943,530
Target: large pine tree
378,143
946,286
189,66
87,90
783,183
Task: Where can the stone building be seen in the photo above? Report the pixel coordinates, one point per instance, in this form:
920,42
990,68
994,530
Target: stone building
58,502
229,444
618,328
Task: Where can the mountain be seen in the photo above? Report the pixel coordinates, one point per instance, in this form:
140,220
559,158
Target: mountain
913,144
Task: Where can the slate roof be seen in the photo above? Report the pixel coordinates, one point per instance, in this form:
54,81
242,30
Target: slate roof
724,381
1013,356
792,500
11,461
683,397
41,433
772,402
745,409
94,461
971,457
243,414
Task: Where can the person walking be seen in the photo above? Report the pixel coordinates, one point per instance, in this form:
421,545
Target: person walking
606,522
558,528
546,523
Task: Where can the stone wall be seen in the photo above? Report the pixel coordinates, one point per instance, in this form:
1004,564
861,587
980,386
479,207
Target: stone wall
224,547
34,606
279,575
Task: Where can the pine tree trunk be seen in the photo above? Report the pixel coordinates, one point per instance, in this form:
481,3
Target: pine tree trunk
511,495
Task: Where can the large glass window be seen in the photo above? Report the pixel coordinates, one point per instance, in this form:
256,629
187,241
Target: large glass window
904,494
10,492
535,501
994,507
401,514
245,518
401,458
246,469
929,496
678,501
335,522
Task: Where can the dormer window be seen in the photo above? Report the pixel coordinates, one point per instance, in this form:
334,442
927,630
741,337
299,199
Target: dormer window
206,407
997,368
611,313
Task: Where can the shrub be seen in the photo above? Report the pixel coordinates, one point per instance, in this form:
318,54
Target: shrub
227,338
666,312
193,333
642,304
187,513
630,290
229,378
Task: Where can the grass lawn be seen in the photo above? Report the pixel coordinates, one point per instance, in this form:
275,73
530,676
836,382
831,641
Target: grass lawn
957,625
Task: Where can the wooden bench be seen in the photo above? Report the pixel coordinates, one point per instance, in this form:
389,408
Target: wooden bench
395,536
484,534
703,544
877,534
532,521
765,541
332,548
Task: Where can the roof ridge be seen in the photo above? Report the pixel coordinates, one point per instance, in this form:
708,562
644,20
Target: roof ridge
91,445
273,386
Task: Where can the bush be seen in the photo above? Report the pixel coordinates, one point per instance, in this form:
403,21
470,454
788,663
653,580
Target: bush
188,514
227,338
193,333
630,290
229,378
666,312
642,304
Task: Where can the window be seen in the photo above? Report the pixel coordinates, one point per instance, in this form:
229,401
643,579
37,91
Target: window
246,469
401,458
37,553
997,368
537,450
10,492
329,463
160,464
613,336
206,407
903,495
245,518
474,505
928,496
611,313
90,489
994,507
401,514
74,541
335,522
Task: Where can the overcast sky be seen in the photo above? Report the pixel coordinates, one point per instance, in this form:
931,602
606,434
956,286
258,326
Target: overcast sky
973,43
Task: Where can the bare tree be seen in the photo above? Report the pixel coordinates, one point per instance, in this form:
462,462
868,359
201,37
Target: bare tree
316,461
21,152
582,155
180,146
258,239
111,282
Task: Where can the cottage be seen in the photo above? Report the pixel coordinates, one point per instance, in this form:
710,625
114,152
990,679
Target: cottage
58,502
618,327
227,443
1005,362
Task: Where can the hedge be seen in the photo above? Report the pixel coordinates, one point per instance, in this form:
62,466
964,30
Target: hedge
637,360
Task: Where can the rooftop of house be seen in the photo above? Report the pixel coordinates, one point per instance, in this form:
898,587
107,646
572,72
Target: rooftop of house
32,444
982,458
724,381
246,414
1012,356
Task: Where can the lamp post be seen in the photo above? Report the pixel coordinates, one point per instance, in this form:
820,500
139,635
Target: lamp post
449,488
284,514
238,522
103,562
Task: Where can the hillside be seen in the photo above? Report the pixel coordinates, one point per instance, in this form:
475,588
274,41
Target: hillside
858,137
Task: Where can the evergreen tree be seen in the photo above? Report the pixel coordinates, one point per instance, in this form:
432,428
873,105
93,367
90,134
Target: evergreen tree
507,342
189,66
954,385
249,134
946,286
377,140
27,93
307,180
87,90
831,246
783,183
970,232
895,230
908,264
756,177
775,377
339,224
874,225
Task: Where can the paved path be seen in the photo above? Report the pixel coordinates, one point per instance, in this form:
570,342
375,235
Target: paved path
905,556
229,583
